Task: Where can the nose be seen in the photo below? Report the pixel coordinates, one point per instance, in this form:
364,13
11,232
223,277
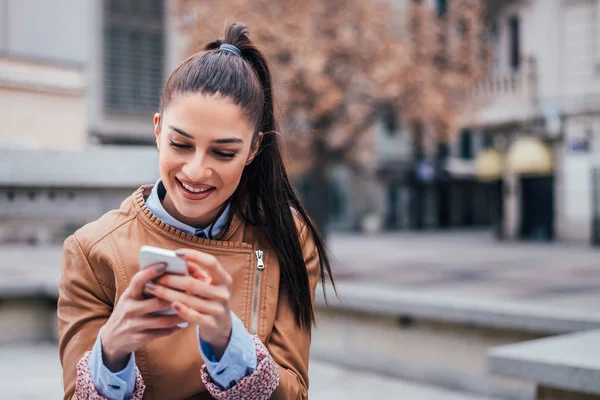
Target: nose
198,168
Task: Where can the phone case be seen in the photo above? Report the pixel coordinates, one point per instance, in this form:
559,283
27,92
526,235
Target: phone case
150,255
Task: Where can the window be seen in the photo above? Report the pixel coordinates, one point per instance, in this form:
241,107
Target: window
442,8
466,144
515,42
488,141
133,54
495,41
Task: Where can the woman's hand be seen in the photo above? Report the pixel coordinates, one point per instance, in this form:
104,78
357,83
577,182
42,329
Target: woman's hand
202,297
130,325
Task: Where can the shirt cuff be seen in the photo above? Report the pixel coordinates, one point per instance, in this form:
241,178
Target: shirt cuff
238,361
112,385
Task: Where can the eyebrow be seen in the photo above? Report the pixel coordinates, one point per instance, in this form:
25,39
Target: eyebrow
182,133
228,140
218,141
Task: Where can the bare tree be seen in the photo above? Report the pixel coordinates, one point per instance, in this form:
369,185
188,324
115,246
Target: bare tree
338,63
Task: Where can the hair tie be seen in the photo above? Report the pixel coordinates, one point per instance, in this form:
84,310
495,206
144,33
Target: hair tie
229,48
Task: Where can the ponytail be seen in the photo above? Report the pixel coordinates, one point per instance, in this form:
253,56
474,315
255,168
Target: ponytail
264,197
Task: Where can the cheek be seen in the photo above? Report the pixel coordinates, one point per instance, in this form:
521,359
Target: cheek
231,174
167,159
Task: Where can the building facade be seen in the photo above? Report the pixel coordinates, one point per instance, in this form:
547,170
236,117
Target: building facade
77,77
541,107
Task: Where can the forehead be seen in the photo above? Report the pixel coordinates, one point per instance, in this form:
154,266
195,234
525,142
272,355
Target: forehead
207,116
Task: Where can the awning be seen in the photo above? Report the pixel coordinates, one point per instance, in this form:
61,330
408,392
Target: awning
530,156
489,165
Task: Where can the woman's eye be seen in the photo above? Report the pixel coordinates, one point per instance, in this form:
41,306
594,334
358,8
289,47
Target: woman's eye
224,154
179,145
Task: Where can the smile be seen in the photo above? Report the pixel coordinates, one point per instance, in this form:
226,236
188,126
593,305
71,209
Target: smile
191,189
194,193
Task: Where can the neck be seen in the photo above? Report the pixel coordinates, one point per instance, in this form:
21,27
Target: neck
198,223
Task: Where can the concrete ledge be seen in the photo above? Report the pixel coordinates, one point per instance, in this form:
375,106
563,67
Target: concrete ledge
402,369
28,290
27,320
384,300
566,362
93,167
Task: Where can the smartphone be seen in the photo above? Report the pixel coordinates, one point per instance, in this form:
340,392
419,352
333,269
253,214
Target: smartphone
150,255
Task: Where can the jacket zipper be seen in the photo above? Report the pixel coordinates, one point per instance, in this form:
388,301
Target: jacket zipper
259,268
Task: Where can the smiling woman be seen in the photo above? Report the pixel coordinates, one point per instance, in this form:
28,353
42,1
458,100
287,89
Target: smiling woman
224,203
206,141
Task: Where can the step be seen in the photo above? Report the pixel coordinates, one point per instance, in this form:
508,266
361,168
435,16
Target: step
568,365
440,340
437,340
33,371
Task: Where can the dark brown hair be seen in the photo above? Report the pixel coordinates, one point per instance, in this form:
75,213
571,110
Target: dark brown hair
264,197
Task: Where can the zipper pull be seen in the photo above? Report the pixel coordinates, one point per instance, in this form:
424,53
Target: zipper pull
260,265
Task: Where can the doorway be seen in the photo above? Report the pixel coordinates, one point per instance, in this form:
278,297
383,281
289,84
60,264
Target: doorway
537,208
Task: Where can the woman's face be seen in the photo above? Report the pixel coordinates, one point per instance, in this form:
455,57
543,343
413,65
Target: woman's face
204,144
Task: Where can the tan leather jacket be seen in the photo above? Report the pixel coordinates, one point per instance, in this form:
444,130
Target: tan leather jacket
101,258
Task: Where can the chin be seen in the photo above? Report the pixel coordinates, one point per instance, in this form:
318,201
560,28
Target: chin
193,211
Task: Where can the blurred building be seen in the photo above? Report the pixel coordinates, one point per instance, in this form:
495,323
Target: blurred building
528,163
420,184
542,114
75,78
82,75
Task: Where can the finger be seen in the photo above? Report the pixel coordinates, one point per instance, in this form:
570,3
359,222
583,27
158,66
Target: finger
155,322
152,305
188,313
136,287
174,296
208,263
190,285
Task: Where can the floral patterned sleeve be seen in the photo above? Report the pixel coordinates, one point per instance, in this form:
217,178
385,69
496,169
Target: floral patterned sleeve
259,385
84,386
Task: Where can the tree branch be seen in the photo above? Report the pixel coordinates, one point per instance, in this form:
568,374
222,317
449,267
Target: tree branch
358,130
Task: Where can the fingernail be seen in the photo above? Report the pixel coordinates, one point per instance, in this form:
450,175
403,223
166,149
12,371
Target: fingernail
150,286
161,268
177,307
180,252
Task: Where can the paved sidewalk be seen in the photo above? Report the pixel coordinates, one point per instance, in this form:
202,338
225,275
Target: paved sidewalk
453,263
473,264
32,372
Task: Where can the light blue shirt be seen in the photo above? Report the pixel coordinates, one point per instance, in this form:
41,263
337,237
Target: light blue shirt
239,358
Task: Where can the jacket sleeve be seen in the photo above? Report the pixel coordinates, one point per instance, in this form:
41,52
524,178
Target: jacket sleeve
83,308
289,345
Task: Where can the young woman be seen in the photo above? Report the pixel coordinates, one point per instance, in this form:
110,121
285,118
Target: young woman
225,204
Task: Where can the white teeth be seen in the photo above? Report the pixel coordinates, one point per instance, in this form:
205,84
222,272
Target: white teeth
191,189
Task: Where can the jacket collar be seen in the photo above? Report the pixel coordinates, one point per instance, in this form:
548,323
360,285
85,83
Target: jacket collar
235,232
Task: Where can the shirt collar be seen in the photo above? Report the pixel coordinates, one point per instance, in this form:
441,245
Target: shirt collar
154,204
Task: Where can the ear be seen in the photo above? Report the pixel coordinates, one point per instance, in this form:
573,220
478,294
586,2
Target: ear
254,149
157,129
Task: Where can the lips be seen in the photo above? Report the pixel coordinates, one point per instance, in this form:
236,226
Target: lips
194,191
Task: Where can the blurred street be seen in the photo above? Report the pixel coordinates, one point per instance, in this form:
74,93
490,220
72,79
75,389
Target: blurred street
472,264
467,265
32,372
450,149
464,263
